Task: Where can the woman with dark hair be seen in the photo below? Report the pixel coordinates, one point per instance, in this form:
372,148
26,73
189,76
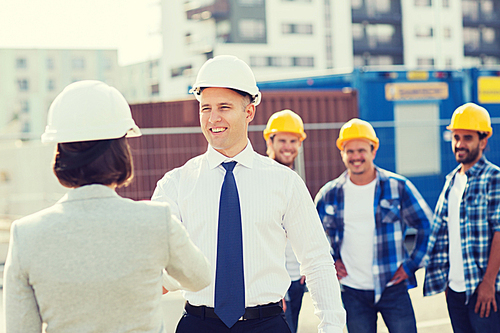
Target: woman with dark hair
93,262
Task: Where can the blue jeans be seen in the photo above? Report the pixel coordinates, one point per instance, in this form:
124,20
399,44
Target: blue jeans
465,320
293,304
394,305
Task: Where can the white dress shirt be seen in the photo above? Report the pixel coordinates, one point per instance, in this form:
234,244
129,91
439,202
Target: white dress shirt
272,198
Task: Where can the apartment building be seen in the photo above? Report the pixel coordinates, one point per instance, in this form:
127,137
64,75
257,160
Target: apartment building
286,37
30,79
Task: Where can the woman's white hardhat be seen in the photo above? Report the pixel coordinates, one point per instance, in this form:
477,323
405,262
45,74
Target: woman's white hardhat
226,71
89,110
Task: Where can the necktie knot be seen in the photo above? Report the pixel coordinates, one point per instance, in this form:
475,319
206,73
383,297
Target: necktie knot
229,166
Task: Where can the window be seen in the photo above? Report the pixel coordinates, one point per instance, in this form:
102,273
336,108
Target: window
383,6
470,9
423,3
50,63
380,33
446,3
380,60
251,29
358,31
23,84
488,35
51,85
424,32
280,61
471,37
487,6
258,61
425,61
447,32
303,61
449,62
356,4
300,29
178,71
21,63
411,120
25,106
155,89
78,63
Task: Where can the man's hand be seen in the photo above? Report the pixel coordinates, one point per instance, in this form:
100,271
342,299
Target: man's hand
341,271
485,299
302,279
399,276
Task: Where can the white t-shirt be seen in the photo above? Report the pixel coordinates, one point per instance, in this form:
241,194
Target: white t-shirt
456,276
359,229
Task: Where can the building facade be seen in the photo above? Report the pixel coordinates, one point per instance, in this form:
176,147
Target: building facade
30,79
278,38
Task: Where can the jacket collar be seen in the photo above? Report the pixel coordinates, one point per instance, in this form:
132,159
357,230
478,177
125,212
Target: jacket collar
88,192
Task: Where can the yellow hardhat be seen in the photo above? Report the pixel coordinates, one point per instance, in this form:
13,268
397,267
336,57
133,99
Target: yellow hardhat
472,117
285,121
357,129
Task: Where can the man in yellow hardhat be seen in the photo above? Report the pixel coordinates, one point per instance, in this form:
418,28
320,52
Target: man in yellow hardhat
366,212
284,134
464,246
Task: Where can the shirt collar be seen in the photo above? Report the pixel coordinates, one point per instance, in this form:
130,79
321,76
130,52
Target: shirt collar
477,168
473,171
245,157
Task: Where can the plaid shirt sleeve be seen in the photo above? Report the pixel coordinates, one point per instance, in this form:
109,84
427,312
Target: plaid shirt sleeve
416,213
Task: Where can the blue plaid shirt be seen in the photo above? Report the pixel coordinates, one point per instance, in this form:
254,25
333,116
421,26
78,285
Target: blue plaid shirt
479,220
397,206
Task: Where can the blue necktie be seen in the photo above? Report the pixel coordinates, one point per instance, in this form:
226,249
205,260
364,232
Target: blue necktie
229,281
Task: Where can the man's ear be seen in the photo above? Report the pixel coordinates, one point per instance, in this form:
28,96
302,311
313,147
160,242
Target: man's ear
270,150
483,143
250,111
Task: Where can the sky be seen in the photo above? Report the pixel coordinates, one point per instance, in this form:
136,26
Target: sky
130,26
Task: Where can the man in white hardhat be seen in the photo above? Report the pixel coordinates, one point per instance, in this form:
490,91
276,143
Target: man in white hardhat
284,134
93,261
241,219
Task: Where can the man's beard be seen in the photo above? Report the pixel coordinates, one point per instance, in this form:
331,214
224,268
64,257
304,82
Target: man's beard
470,157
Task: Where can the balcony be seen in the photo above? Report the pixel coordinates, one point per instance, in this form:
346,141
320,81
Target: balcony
219,10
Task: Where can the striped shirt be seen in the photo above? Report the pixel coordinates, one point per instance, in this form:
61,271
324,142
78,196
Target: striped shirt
479,220
397,205
273,199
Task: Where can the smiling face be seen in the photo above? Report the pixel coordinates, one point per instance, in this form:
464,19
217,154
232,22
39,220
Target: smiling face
358,156
224,119
467,147
283,147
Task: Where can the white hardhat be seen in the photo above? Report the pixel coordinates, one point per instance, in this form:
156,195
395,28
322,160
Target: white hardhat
89,110
226,71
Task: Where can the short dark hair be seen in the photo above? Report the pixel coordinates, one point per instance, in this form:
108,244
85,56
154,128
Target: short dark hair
482,135
114,166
